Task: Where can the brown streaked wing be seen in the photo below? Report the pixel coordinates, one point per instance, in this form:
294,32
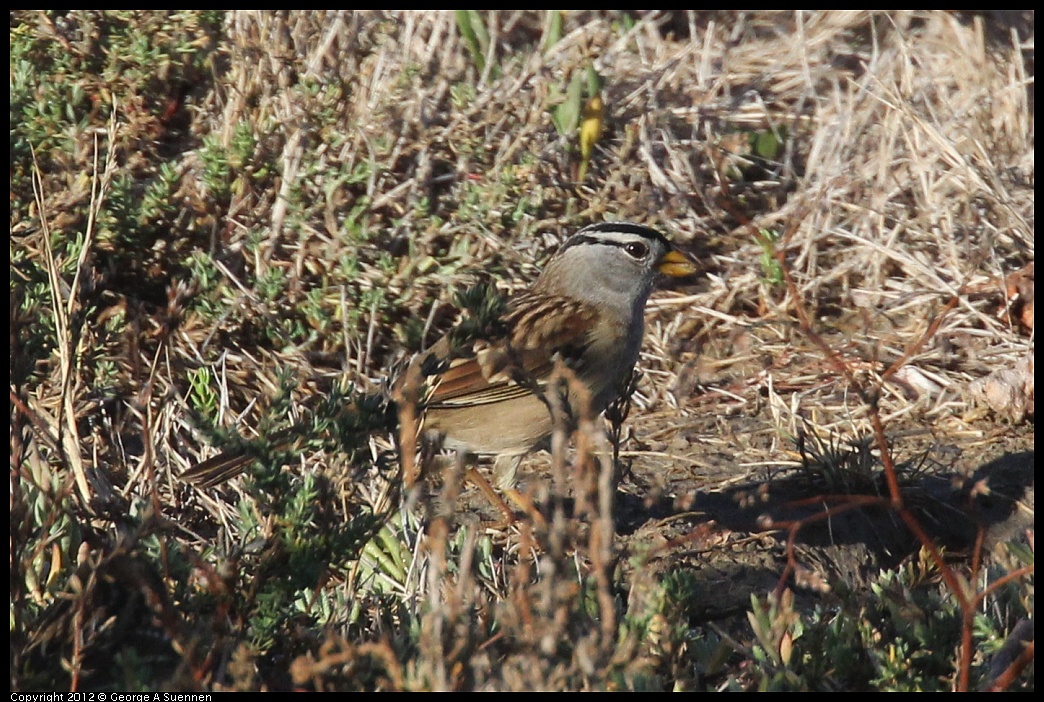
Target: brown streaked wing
540,327
549,322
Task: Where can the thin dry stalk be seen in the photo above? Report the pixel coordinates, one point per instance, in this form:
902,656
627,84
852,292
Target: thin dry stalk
66,337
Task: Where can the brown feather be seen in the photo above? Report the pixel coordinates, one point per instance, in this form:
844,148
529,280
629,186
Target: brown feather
539,327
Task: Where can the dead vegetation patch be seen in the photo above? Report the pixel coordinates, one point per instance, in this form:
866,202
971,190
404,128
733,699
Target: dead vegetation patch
231,227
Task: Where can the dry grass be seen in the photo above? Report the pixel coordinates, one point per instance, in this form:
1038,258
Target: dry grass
230,225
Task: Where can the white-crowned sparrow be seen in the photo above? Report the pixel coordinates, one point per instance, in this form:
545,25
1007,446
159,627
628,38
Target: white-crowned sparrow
486,396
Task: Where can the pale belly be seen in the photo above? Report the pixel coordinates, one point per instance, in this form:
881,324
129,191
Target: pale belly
510,427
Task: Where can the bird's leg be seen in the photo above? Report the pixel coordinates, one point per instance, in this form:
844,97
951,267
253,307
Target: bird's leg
496,500
504,471
505,475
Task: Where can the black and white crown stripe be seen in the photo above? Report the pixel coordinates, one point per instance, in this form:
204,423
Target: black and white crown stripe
603,233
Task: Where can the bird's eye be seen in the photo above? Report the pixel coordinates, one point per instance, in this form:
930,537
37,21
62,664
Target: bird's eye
637,250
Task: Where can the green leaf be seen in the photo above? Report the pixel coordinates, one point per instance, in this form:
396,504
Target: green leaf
566,115
473,29
554,29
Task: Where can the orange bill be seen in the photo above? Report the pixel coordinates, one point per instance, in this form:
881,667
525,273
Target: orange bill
675,264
